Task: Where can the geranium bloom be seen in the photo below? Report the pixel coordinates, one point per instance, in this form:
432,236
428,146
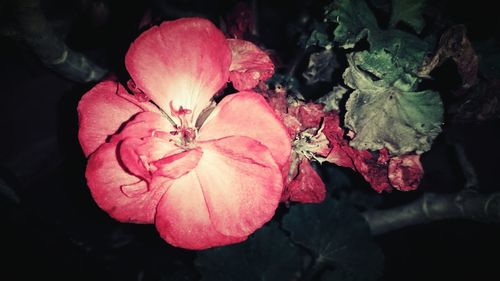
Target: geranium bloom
205,175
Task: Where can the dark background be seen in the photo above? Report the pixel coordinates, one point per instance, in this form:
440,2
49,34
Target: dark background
52,229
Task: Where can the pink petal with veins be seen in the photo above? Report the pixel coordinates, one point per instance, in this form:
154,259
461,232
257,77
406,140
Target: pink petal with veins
241,183
122,195
248,114
137,155
306,187
101,112
183,219
184,61
145,124
309,114
204,209
177,165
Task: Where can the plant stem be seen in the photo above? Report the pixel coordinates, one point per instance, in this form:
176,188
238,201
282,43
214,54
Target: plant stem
36,32
468,170
467,204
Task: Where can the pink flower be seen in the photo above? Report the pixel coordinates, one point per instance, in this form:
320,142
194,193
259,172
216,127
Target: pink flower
303,123
205,175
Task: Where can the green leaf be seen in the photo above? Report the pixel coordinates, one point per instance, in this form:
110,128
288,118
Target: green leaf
383,66
385,114
335,232
267,255
321,66
409,12
408,51
384,110
319,36
355,21
332,99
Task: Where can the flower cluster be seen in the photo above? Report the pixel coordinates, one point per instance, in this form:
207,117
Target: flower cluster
318,136
161,151
205,174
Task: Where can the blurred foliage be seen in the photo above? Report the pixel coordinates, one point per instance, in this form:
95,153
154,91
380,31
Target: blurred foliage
329,238
409,12
338,236
267,255
319,35
385,78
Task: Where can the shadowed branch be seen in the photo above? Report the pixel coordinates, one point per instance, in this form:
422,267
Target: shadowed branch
36,32
432,207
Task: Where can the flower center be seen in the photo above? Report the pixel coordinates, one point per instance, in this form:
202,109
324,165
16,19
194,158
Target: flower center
312,143
184,134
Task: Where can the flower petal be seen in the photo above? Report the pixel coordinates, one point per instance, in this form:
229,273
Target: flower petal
363,161
123,196
341,153
248,114
183,220
185,62
241,184
405,172
374,173
143,125
249,65
306,187
309,114
177,165
138,154
101,112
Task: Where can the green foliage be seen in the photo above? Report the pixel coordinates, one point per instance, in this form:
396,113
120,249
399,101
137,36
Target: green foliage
333,98
385,110
267,255
384,114
381,64
319,36
355,21
334,233
321,66
409,12
407,51
337,235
